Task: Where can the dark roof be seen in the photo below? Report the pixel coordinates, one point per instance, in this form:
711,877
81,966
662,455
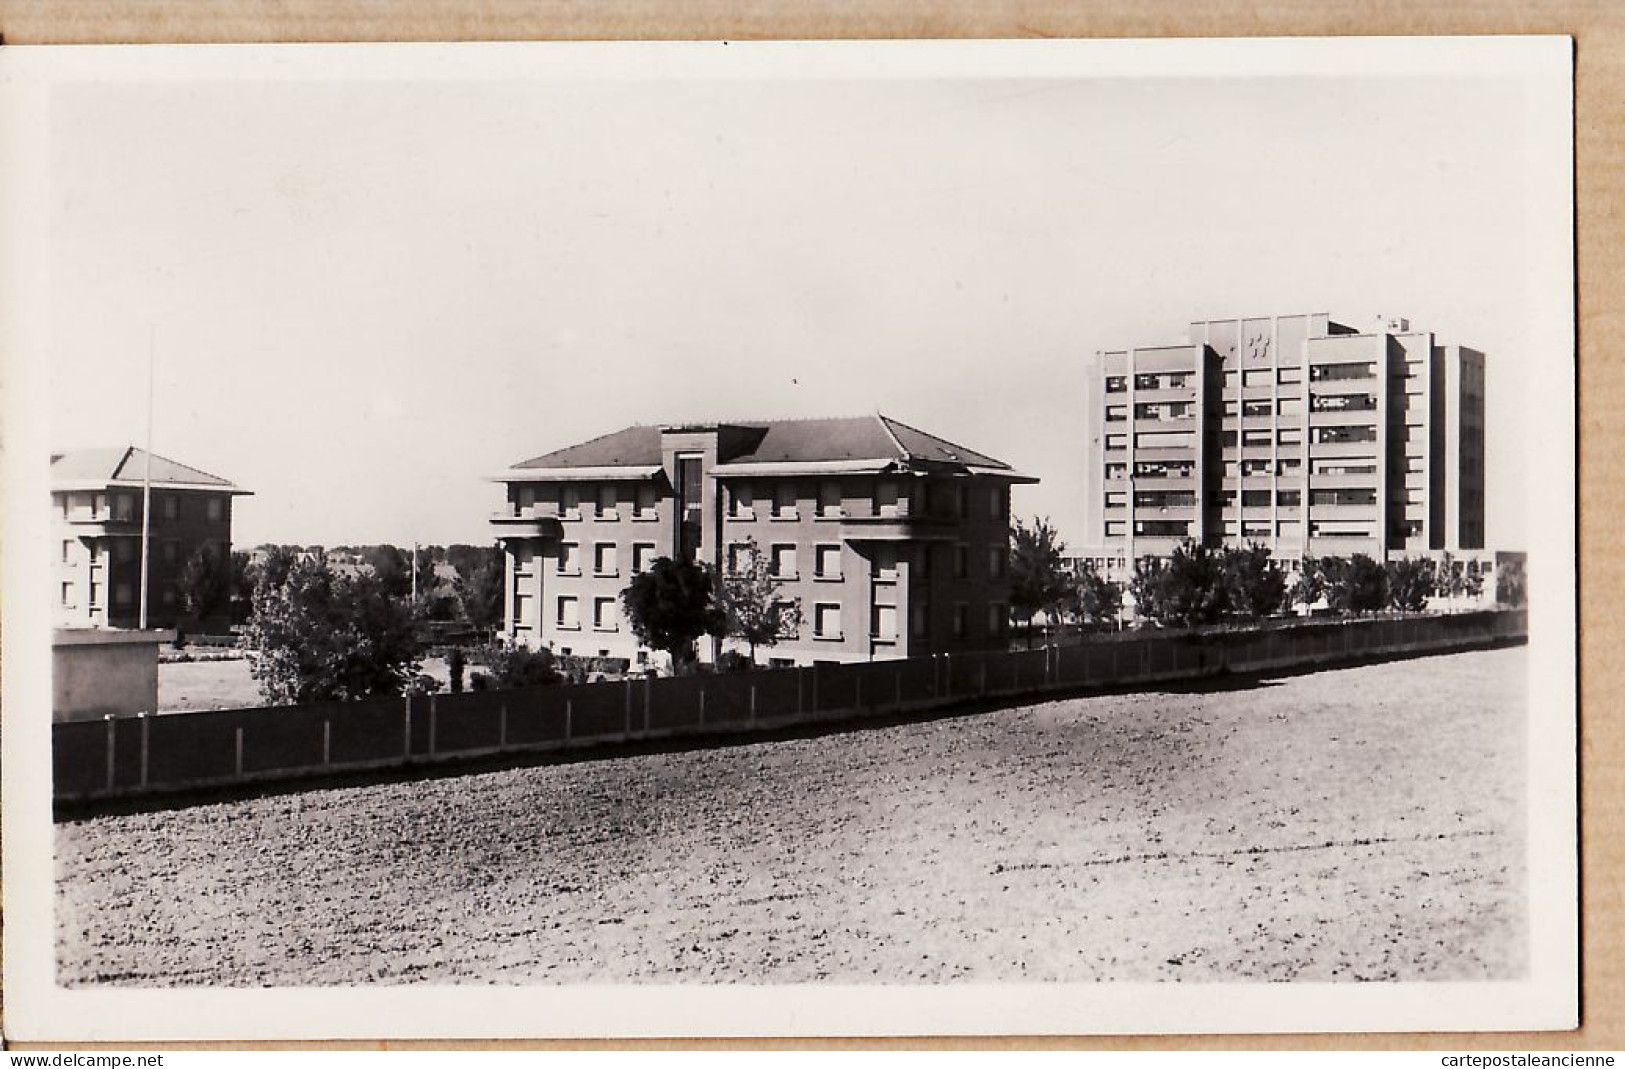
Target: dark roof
127,465
874,437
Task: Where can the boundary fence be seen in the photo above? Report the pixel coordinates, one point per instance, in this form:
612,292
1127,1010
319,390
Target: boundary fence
136,755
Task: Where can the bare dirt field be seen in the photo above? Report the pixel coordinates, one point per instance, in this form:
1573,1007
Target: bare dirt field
1356,824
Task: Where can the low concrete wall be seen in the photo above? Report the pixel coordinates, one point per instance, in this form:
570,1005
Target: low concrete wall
182,751
97,673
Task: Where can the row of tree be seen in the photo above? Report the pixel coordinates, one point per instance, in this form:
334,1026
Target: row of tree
1198,584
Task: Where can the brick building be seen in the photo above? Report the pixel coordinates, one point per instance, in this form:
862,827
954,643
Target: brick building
1298,432
894,541
96,505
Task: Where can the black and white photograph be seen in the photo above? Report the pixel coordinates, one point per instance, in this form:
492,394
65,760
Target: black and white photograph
775,539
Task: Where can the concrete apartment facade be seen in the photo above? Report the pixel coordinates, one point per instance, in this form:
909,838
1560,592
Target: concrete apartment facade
1297,432
96,499
894,541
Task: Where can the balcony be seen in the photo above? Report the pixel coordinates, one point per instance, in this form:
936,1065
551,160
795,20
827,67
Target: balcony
894,523
525,524
88,524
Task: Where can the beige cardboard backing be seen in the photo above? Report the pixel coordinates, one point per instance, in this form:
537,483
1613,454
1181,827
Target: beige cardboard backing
1598,29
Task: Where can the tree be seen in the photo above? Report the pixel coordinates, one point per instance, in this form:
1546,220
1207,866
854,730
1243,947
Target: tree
1354,585
240,583
272,566
1092,598
1254,584
754,608
1410,583
1185,590
671,605
320,636
1038,579
1310,584
205,583
482,588
390,566
1511,583
507,667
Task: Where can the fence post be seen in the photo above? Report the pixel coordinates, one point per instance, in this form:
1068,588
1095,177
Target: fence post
237,739
801,705
947,675
857,700
406,744
434,722
981,677
897,681
502,725
648,685
112,747
146,719
629,708
753,702
814,671
1015,673
569,718
702,703
327,743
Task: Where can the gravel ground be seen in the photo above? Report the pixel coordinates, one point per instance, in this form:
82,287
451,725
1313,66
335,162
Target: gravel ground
1355,824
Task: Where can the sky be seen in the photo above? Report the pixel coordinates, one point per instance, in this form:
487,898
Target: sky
364,297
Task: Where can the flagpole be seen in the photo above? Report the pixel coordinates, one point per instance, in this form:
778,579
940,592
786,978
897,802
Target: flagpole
146,476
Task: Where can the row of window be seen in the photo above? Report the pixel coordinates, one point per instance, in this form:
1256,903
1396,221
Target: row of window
606,500
825,618
605,558
123,595
125,550
1162,380
124,507
1287,529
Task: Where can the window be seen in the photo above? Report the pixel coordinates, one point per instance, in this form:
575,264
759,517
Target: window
172,507
784,562
1289,498
124,550
607,502
1161,499
1114,528
643,555
995,561
738,558
995,503
1256,377
67,594
1164,469
1289,376
826,621
1254,499
784,501
1162,528
782,612
886,497
1345,466
827,562
569,617
1255,438
997,617
1342,402
603,615
1290,436
829,498
1290,406
1116,499
67,550
885,622
1339,435
603,559
961,619
1255,408
570,502
885,562
217,509
1116,471
1255,528
1414,465
961,561
95,594
569,558
1341,372
741,502
1289,467
1164,440
644,508
1116,413
124,507
1347,496
1116,383
1255,466
1113,441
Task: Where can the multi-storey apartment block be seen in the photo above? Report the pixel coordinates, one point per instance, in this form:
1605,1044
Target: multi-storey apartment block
96,505
894,542
1297,432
